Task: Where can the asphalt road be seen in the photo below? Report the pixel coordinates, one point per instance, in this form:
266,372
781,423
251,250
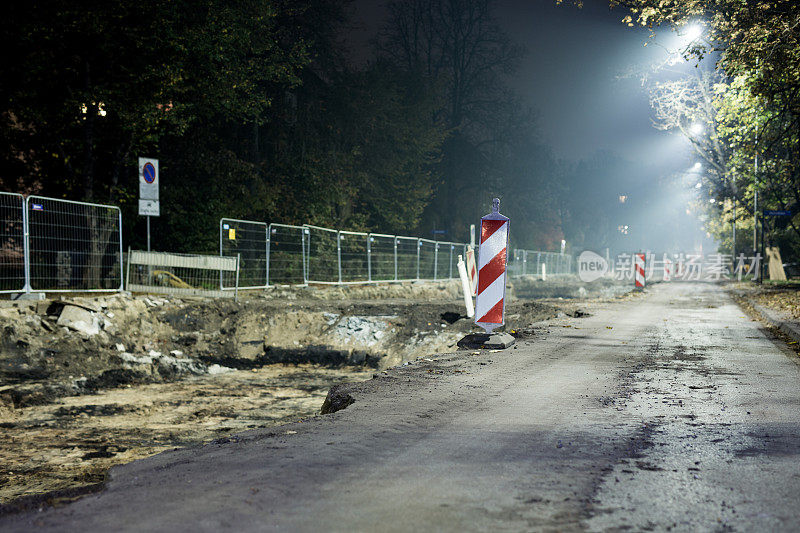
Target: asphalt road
670,410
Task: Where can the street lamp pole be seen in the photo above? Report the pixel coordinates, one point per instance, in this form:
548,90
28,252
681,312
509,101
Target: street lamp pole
755,192
734,216
755,201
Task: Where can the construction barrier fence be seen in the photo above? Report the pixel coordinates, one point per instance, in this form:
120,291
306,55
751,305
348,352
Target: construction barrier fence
531,263
73,246
12,242
279,254
56,245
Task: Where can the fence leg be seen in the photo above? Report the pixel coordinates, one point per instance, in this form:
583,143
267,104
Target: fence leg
435,261
339,254
538,259
450,273
121,257
128,272
395,258
238,266
419,245
26,246
303,257
369,260
221,286
267,245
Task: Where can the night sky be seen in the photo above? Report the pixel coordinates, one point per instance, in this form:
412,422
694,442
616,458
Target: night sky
582,74
576,74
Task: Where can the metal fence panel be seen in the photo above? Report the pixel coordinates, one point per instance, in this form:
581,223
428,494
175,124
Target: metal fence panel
324,255
248,240
382,263
301,254
515,263
354,252
74,246
442,254
530,262
12,242
548,264
287,263
427,259
407,258
182,274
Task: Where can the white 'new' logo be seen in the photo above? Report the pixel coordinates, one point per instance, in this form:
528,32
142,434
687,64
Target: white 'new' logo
591,266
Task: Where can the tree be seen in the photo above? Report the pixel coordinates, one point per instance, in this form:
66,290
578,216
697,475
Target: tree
758,110
459,52
767,133
88,86
686,106
760,37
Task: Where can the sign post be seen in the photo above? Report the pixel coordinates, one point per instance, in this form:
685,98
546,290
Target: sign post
149,205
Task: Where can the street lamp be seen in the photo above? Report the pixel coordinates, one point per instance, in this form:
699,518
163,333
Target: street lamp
693,32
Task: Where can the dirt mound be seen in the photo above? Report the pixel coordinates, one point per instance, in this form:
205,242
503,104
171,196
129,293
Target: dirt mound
78,345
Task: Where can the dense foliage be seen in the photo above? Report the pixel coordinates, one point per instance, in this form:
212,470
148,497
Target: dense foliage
255,112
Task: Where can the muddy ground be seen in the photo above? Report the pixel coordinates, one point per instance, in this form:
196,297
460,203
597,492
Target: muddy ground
90,382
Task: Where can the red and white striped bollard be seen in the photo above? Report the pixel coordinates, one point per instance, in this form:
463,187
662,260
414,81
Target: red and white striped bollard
639,271
492,259
472,271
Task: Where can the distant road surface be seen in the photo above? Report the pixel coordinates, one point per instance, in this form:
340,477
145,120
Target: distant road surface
669,410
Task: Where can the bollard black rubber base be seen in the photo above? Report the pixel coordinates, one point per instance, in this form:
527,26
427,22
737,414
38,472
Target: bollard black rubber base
493,341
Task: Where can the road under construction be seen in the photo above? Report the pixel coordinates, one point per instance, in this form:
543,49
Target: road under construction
671,409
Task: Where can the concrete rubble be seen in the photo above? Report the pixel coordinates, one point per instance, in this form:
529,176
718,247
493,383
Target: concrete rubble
79,319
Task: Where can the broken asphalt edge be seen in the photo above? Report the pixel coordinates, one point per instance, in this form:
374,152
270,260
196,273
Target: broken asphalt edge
339,396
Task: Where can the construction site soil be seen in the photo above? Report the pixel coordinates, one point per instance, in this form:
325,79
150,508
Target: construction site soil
90,382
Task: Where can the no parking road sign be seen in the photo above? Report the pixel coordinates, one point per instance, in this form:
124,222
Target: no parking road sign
148,179
149,205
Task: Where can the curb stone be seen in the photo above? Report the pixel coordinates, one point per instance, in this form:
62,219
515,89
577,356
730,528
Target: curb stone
789,327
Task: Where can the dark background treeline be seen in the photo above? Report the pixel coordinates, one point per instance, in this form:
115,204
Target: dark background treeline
255,111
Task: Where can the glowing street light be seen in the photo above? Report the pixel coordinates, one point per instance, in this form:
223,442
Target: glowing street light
693,32
696,129
686,38
697,167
